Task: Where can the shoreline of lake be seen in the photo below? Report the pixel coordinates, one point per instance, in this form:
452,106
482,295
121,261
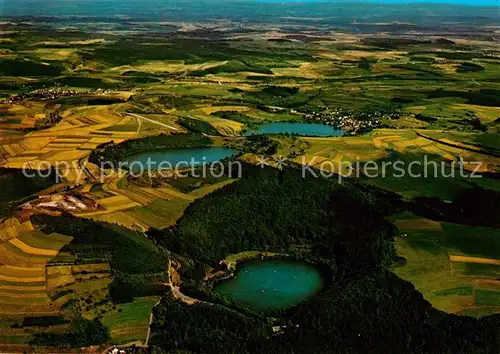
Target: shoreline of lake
274,283
294,128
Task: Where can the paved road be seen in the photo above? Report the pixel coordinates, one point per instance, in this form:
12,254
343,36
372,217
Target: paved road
151,121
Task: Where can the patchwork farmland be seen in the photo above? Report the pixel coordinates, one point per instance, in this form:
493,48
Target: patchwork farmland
440,267
89,255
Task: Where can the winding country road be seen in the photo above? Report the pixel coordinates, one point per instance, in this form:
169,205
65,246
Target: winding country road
151,121
176,291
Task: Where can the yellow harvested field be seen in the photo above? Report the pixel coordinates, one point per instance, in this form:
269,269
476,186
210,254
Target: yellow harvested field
118,202
26,295
476,260
33,143
72,140
58,276
88,41
90,145
73,176
51,54
224,126
415,109
419,141
15,305
338,158
379,143
482,166
68,155
23,267
112,201
39,240
212,109
360,54
449,157
170,66
406,143
433,149
32,250
10,149
157,193
57,281
174,193
20,279
9,257
486,114
305,70
58,270
390,139
448,68
24,289
63,147
98,141
450,149
20,159
17,164
136,195
11,228
21,273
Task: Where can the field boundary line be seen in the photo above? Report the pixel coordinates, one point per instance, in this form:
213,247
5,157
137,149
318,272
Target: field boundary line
458,146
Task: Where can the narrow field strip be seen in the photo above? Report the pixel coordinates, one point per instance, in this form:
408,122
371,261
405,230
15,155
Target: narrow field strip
10,254
33,250
39,240
23,289
477,260
21,279
21,272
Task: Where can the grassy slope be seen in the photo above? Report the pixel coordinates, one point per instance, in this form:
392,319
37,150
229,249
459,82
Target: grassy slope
427,265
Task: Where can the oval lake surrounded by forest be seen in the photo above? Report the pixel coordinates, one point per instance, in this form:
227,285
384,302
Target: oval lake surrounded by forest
271,284
303,129
181,156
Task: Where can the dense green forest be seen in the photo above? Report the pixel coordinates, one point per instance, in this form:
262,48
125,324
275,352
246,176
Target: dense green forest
82,333
365,308
475,206
273,210
377,312
210,328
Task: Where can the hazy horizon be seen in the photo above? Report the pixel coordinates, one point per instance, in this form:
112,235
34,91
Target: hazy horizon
169,8
328,13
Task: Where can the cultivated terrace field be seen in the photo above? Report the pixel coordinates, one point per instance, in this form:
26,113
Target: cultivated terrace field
91,256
